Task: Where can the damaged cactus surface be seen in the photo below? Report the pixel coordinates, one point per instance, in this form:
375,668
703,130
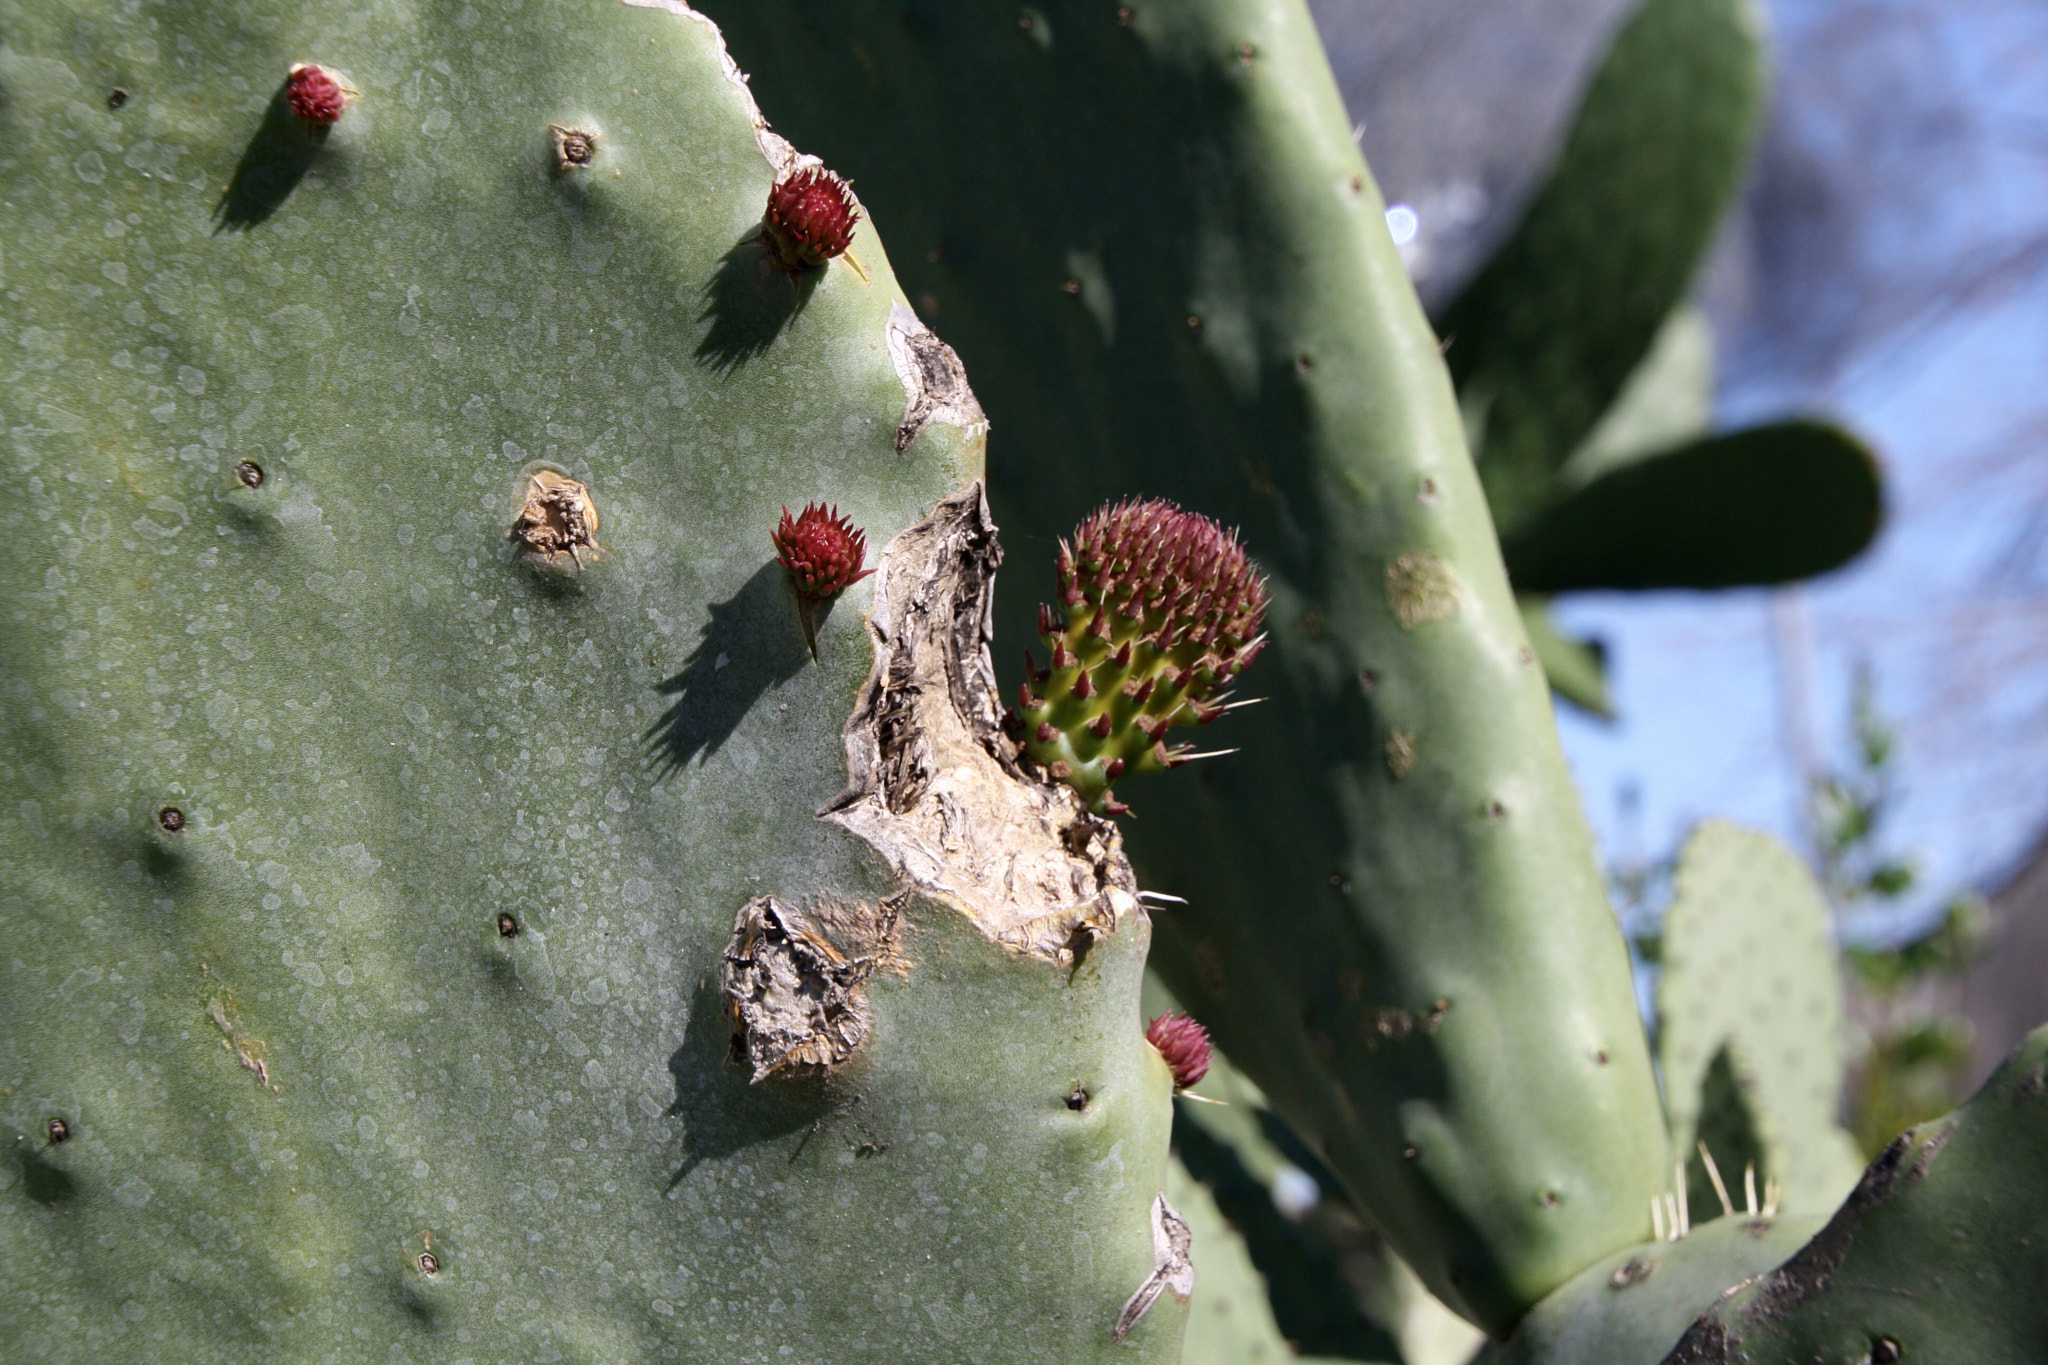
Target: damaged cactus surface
422,938
1396,925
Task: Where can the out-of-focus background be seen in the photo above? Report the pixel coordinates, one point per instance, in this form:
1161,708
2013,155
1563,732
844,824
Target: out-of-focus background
1886,265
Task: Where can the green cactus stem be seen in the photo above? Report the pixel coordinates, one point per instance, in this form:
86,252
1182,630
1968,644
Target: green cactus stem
1159,609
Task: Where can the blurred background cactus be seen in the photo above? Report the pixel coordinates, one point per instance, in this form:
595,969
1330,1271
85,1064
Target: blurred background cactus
484,888
1586,375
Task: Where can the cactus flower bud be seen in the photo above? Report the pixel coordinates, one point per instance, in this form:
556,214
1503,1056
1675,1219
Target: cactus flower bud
1167,604
823,554
315,94
822,551
1185,1046
810,218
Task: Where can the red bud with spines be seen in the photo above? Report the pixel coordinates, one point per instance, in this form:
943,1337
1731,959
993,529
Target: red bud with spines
1185,1046
1168,604
316,95
822,550
810,218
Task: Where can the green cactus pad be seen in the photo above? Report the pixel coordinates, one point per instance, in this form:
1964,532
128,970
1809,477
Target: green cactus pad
1749,963
1769,504
1229,1318
1631,1307
1736,1131
1937,1255
1552,328
1155,243
1669,399
394,837
1575,669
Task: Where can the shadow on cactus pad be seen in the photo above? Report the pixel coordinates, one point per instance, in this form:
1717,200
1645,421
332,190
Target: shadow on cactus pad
748,303
272,165
752,643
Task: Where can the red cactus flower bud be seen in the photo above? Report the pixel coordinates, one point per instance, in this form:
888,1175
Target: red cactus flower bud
315,94
822,551
1185,1046
1047,732
810,218
1176,604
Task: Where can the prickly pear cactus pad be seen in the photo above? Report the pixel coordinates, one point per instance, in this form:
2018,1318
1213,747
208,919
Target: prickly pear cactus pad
1938,1254
1551,329
1749,960
1149,231
421,940
1631,1308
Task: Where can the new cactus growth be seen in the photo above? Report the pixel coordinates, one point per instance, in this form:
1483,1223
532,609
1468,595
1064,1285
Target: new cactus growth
1159,610
810,219
823,554
373,989
316,95
1185,1046
822,550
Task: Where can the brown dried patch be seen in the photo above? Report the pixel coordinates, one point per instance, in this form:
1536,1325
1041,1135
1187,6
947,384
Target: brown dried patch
557,521
934,786
797,997
1633,1271
575,148
1400,753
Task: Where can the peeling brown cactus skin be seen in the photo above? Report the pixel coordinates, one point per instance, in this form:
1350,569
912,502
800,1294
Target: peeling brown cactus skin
557,521
795,997
934,787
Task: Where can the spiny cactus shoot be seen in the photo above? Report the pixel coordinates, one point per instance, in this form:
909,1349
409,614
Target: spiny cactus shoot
810,218
1185,1046
822,551
1162,608
316,95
